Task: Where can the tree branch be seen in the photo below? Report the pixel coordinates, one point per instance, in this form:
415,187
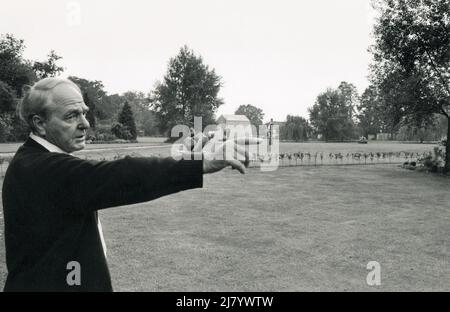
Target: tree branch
433,65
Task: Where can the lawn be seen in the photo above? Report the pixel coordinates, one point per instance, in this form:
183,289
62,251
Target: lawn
293,229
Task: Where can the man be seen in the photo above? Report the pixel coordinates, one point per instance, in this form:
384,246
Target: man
51,198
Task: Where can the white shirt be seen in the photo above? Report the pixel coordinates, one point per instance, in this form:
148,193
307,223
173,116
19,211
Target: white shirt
55,149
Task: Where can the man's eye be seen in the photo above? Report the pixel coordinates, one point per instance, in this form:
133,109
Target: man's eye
72,116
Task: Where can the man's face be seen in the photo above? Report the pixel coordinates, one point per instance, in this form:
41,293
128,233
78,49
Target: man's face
66,122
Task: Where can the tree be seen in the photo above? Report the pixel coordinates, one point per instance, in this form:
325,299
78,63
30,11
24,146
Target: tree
48,68
370,114
145,118
126,128
5,127
412,61
7,108
296,129
7,98
150,125
332,114
109,107
413,133
349,97
15,71
189,89
90,116
254,114
94,93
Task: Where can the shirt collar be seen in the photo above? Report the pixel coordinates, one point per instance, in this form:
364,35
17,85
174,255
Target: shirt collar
49,146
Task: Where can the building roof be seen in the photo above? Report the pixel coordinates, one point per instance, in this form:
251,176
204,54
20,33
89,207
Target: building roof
276,123
241,118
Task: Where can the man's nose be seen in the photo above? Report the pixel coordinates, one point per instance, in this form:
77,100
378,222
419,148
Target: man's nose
84,124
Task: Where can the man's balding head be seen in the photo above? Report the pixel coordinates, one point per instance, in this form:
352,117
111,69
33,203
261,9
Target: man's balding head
37,98
55,110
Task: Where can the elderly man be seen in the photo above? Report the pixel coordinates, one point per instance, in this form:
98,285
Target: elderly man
51,198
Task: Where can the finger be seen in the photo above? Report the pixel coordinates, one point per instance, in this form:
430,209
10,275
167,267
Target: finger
247,141
232,150
242,154
235,164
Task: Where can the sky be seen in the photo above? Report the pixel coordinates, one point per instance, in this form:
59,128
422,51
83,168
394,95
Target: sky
276,55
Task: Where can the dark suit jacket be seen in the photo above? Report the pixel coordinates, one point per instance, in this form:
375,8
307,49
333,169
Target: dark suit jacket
50,202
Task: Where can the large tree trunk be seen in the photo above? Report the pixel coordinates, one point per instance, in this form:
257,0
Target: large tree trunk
447,148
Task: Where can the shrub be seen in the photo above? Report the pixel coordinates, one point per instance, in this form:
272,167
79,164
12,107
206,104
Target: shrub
122,132
20,131
434,161
101,134
127,130
105,136
5,128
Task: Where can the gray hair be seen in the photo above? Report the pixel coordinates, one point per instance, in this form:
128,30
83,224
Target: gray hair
37,97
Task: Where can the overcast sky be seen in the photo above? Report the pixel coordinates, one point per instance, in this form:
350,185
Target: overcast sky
276,55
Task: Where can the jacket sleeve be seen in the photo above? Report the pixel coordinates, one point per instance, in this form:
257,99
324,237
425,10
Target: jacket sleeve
83,185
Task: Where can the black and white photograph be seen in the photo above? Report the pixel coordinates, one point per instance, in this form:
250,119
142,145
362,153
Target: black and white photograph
243,148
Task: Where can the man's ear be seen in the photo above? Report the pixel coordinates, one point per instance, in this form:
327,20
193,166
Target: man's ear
39,124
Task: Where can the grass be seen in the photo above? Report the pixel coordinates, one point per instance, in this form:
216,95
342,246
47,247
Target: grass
294,229
302,229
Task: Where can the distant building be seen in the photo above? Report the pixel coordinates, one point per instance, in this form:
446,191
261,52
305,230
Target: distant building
239,123
384,136
275,132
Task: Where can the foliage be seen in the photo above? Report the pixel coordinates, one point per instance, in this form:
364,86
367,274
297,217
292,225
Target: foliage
435,160
48,68
120,131
90,116
190,88
295,129
126,126
371,117
7,98
5,127
146,121
102,133
432,132
126,118
254,114
12,129
109,106
149,124
20,129
15,71
332,114
412,60
93,92
105,108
